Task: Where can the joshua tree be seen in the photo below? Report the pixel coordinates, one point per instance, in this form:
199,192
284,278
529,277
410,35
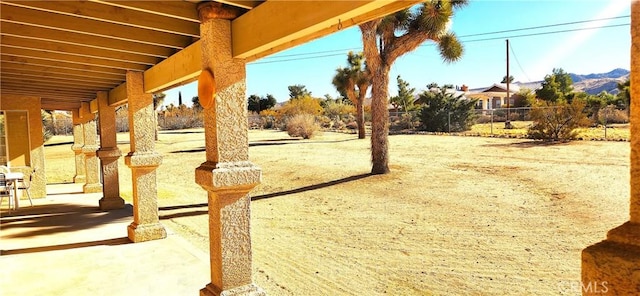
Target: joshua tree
386,39
353,82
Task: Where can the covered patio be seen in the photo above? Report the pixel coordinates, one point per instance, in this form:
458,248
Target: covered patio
64,245
89,57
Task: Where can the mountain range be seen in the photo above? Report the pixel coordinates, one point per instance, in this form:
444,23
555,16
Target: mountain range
590,83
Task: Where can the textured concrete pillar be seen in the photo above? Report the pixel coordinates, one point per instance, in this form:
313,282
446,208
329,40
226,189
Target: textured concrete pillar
143,161
635,114
78,142
108,154
613,264
227,174
91,165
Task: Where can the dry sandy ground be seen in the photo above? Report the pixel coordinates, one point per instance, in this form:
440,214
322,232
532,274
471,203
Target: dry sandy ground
457,215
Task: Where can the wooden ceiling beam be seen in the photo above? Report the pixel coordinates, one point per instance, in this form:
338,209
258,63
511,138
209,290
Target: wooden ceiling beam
52,20
175,9
10,50
46,34
246,4
91,52
29,82
115,15
61,65
56,79
49,104
10,67
70,95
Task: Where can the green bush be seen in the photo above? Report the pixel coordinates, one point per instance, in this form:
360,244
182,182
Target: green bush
302,125
442,111
557,121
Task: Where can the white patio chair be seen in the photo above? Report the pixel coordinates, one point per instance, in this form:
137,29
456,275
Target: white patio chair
5,191
4,169
25,185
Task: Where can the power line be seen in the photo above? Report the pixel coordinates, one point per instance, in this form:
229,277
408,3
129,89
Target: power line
315,52
546,26
546,33
298,59
518,62
306,56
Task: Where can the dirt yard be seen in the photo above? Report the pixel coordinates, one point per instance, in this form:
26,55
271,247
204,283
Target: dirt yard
457,215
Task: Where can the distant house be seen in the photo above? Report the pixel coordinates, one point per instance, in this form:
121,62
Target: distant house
455,92
494,96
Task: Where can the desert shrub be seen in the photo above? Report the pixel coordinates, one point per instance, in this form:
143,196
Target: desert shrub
269,119
367,113
483,119
352,125
557,121
302,105
338,109
405,121
302,125
180,117
610,114
47,125
338,124
442,111
324,121
122,119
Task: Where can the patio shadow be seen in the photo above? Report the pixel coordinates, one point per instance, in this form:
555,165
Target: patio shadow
58,218
106,242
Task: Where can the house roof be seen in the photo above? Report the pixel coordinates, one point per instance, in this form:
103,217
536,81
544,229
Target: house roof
497,87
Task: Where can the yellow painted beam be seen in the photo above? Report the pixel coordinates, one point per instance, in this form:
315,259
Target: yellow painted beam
178,69
85,111
28,70
48,104
175,9
246,4
17,13
105,43
93,106
17,51
112,14
118,95
60,65
78,50
277,25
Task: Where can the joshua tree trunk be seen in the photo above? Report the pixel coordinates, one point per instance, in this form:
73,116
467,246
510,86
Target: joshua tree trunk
379,71
380,121
360,117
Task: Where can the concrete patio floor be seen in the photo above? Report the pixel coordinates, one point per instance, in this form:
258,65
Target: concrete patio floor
64,245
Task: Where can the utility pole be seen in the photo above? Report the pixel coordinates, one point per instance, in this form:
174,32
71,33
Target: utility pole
507,123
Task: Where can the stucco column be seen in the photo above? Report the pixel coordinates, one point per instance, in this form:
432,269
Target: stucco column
143,161
78,142
92,167
108,154
614,263
227,174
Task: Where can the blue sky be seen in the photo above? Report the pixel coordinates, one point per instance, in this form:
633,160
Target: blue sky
582,51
